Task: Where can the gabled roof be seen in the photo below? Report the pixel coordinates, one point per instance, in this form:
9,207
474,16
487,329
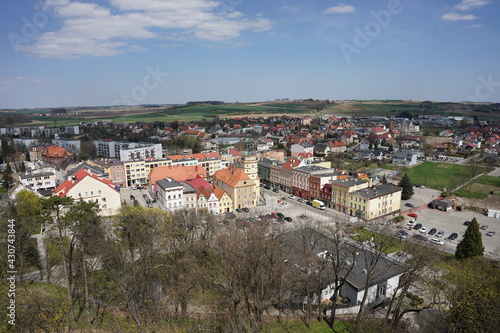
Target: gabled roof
231,176
56,152
334,144
291,163
79,176
199,182
219,193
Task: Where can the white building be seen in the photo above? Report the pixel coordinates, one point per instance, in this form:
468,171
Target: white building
169,194
39,181
128,151
73,146
302,148
90,187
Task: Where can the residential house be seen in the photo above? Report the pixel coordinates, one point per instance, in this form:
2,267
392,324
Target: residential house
380,284
169,194
406,157
39,180
242,190
374,201
58,157
301,177
225,202
302,148
341,189
189,196
88,186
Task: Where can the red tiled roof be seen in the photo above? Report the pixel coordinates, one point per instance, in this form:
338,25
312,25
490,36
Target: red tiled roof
231,175
178,172
81,174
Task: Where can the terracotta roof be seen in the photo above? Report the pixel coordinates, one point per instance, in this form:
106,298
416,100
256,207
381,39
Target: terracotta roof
56,152
80,175
235,152
231,175
219,193
178,172
205,192
334,144
290,163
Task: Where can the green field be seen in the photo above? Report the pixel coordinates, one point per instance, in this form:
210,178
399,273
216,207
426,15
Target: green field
441,175
481,188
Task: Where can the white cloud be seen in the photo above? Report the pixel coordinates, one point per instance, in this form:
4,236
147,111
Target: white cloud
289,9
475,26
89,29
469,4
452,17
340,9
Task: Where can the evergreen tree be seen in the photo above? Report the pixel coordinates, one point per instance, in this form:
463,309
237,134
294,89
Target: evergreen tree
472,244
7,178
384,179
22,167
407,187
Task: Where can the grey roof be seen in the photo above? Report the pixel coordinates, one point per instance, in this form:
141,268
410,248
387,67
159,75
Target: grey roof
403,153
94,169
306,144
168,183
349,182
318,242
188,188
311,168
377,191
37,175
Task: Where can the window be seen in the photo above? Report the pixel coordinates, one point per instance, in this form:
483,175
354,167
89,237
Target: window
91,192
99,192
79,194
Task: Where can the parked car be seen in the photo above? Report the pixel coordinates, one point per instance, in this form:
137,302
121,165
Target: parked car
288,219
280,215
424,229
417,226
413,215
246,210
467,223
132,197
239,210
437,241
275,215
411,223
275,190
484,227
144,195
440,233
490,233
300,200
409,205
291,196
420,237
267,187
432,231
309,203
453,236
402,234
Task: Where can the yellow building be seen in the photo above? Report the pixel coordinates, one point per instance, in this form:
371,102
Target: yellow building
241,189
376,201
342,188
225,202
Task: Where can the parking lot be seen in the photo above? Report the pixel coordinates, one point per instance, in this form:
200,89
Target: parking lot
138,194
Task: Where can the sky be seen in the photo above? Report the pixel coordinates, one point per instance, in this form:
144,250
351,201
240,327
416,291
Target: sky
63,53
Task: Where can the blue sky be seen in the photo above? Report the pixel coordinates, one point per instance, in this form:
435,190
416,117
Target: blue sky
59,53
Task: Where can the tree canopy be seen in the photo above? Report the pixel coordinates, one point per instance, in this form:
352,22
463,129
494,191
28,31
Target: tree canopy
407,187
472,244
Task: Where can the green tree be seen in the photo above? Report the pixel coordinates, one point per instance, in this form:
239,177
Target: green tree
23,167
8,180
384,179
471,245
407,187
